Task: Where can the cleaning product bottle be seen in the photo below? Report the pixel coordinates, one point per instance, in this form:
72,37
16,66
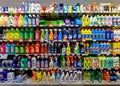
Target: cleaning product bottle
62,60
5,22
56,63
27,48
37,48
33,20
60,35
46,61
17,49
31,33
46,34
37,20
10,20
23,62
29,19
55,34
37,34
22,34
51,35
22,49
67,61
42,35
26,34
33,61
57,76
17,34
77,48
51,63
34,77
68,49
21,20
25,20
29,64
64,49
38,62
15,20
32,48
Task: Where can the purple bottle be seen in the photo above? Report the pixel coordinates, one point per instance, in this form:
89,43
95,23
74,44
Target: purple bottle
3,48
55,34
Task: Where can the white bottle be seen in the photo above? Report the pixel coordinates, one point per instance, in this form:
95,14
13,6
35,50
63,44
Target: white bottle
33,62
51,64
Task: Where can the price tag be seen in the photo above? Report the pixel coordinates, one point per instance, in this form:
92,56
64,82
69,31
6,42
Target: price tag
83,40
11,40
114,53
116,39
50,25
21,40
116,67
30,40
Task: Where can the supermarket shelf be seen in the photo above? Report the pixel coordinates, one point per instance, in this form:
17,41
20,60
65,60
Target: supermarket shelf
99,68
54,54
64,12
41,68
58,26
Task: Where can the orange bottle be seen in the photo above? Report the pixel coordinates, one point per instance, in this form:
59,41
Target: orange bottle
67,60
51,35
37,48
27,48
42,48
34,77
32,48
45,48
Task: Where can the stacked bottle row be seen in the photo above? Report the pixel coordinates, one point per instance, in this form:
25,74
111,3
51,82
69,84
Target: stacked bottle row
43,61
60,48
101,62
98,34
19,20
34,20
35,7
101,76
43,76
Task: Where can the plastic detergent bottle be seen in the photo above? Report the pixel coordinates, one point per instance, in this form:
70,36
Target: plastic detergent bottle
23,62
27,48
62,59
37,48
26,34
51,36
25,20
46,35
15,20
68,49
37,34
42,35
33,62
21,20
31,33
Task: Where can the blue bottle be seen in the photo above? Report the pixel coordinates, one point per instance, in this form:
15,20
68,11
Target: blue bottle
111,35
12,47
56,62
52,49
25,20
65,35
46,62
60,36
33,20
8,48
75,34
69,34
78,35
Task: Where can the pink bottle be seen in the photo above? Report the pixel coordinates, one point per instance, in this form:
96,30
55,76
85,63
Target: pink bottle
16,20
2,48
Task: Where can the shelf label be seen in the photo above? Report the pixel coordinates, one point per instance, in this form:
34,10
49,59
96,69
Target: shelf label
83,40
114,53
30,40
11,40
116,39
21,40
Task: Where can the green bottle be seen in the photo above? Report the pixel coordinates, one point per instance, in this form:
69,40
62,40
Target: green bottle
23,62
22,34
62,61
92,74
17,34
77,49
26,34
17,49
22,49
42,35
31,34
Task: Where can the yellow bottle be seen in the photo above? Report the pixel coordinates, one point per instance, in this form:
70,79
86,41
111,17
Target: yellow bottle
21,20
51,35
1,19
68,49
83,20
